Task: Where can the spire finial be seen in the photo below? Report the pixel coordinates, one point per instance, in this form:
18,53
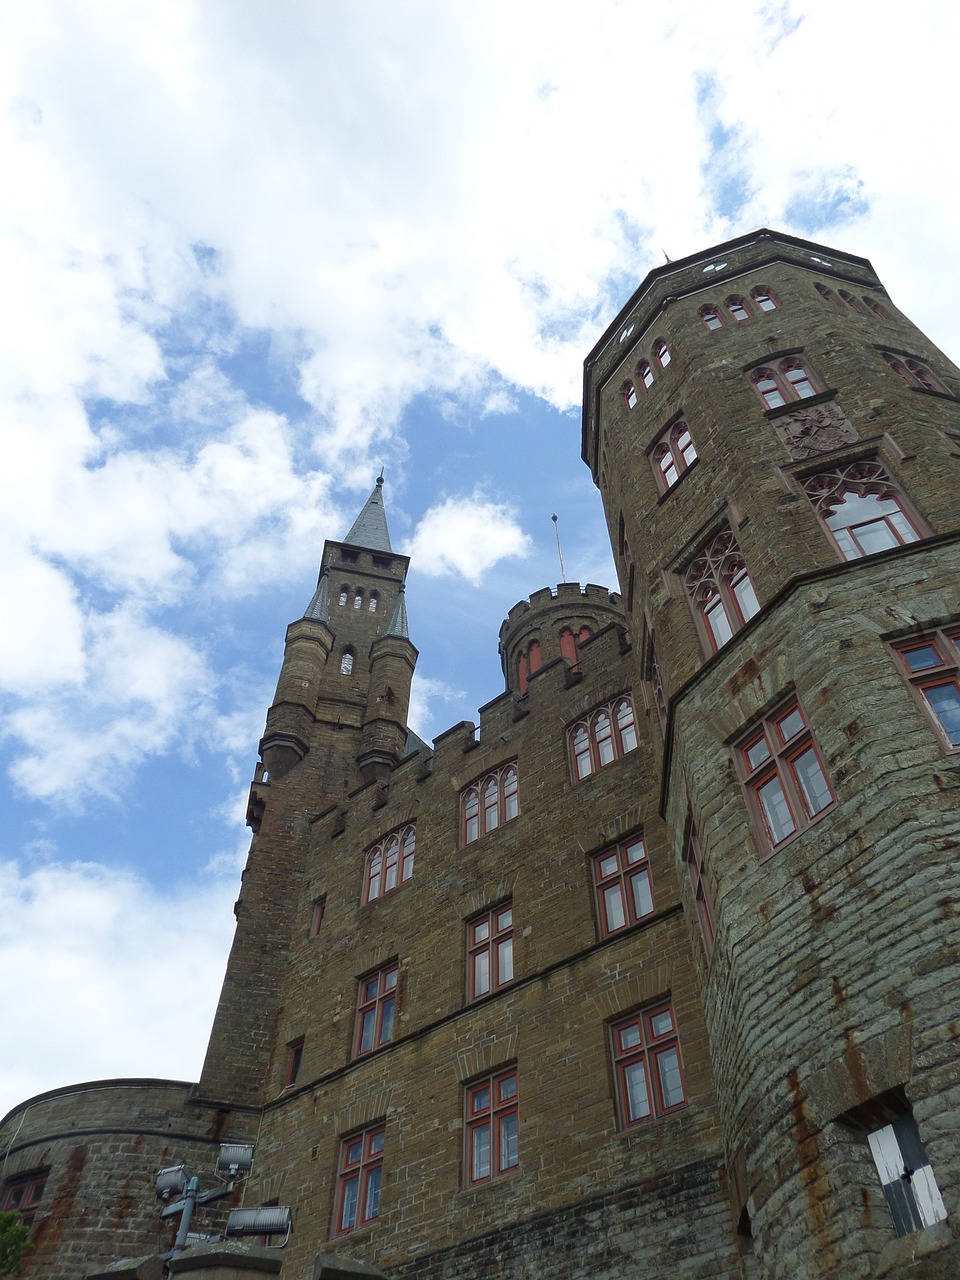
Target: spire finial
380,477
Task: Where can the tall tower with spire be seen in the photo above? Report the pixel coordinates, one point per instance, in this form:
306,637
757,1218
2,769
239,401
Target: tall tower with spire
338,720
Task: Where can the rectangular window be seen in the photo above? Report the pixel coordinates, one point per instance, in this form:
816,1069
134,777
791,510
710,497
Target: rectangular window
624,889
783,775
316,919
376,1007
23,1194
294,1062
360,1176
490,951
908,1182
931,666
701,892
649,1071
492,1127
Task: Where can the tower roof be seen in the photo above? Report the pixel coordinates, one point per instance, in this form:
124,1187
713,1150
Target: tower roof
370,527
318,609
398,620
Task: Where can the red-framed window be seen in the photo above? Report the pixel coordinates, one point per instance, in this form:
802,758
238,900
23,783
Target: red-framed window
673,455
737,307
701,891
489,803
529,661
623,886
763,299
24,1193
711,317
875,307
359,1179
645,374
390,862
376,1010
630,396
789,380
662,353
720,591
931,665
851,302
914,372
604,736
492,1127
294,1062
786,784
827,294
648,1066
862,507
568,646
490,951
317,914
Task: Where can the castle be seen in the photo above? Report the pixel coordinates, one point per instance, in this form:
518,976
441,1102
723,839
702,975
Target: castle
656,972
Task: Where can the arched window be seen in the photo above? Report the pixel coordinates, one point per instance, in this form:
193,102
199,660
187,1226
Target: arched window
374,601
720,591
529,661
662,353
914,372
489,803
763,299
390,863
851,302
711,317
346,662
674,455
568,646
604,736
358,599
875,307
645,374
827,294
861,505
585,634
629,395
344,594
737,308
791,380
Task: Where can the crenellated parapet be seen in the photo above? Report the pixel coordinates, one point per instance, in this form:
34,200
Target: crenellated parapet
550,627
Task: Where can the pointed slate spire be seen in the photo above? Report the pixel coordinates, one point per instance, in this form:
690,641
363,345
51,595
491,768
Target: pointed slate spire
318,609
398,621
370,527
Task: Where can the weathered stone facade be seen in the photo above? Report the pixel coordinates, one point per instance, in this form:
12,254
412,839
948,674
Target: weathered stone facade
812,975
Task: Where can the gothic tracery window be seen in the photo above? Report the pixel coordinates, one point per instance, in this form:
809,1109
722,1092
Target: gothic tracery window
720,590
861,506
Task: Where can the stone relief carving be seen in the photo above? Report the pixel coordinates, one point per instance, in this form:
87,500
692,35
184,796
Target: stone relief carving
808,432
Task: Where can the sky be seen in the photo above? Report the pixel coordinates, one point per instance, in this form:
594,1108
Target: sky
250,254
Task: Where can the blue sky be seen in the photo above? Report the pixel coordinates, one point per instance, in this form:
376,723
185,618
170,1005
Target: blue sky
252,253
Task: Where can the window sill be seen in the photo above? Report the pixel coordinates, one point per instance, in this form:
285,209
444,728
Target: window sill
940,395
781,410
679,481
766,852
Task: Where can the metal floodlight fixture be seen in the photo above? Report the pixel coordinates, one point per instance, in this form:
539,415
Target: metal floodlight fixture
235,1160
172,1181
270,1220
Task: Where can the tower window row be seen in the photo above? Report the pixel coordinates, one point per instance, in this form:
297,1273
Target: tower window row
356,598
737,308
844,298
530,659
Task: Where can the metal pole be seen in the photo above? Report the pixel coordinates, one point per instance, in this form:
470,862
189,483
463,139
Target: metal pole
556,529
190,1200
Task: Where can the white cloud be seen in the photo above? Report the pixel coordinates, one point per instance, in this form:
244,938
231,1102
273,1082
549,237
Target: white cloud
427,697
126,976
466,536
